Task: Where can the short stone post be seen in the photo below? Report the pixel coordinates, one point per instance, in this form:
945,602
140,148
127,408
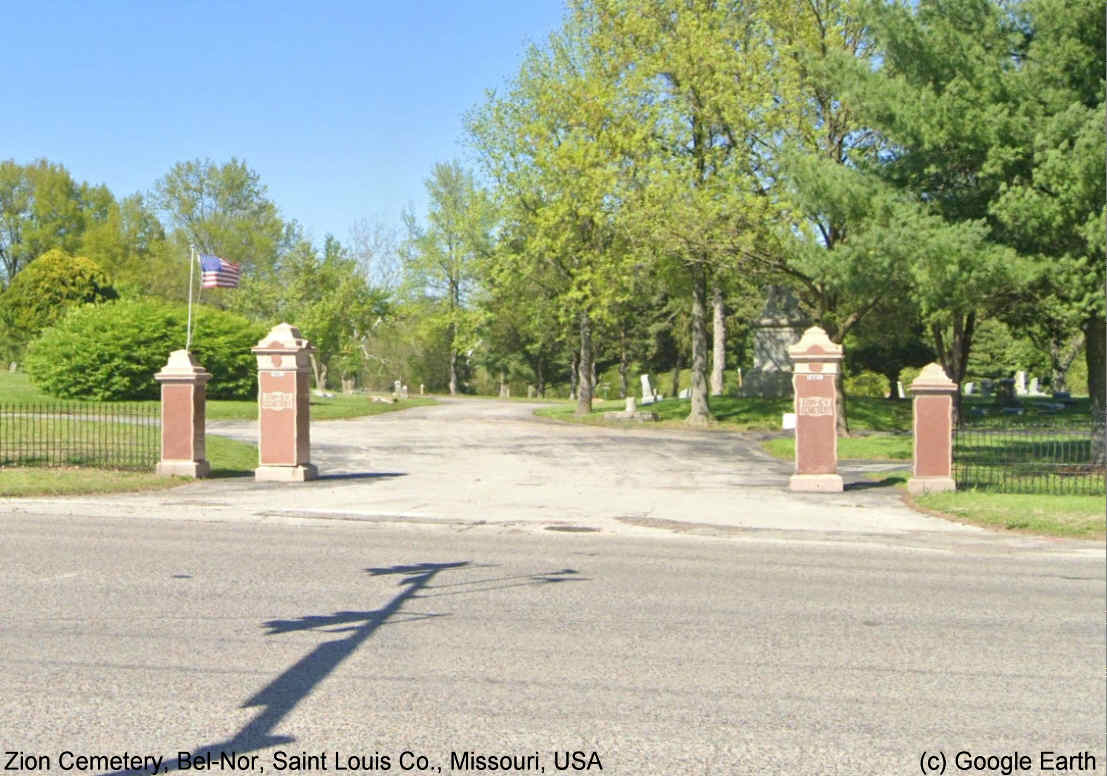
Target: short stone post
183,396
816,360
284,412
933,469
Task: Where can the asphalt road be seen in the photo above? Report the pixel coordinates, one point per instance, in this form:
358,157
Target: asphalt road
714,641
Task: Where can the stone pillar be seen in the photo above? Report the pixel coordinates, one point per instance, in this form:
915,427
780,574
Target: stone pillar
816,360
284,413
933,469
183,393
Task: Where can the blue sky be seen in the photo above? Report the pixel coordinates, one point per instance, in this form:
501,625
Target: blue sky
341,107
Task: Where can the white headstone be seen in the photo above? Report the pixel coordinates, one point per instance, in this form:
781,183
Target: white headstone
969,387
788,421
396,387
420,389
686,393
899,390
647,390
1034,389
631,405
1020,383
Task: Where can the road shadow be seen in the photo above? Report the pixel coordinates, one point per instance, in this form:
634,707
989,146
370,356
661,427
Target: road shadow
278,698
887,482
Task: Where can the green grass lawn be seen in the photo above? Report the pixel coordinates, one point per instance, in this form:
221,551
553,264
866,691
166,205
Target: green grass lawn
16,388
1079,517
876,447
228,458
733,414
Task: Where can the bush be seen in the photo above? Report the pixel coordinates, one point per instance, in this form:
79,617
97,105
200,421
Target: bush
112,351
43,292
907,376
867,383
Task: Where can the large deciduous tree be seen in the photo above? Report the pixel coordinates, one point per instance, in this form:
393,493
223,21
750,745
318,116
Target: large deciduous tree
442,258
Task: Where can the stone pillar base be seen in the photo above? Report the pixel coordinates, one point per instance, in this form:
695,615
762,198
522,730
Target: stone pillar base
917,485
300,473
825,483
183,469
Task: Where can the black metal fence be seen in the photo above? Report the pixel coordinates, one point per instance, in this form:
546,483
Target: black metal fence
109,436
1018,458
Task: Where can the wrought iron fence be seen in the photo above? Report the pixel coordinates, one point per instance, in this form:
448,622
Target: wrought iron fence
109,436
1063,458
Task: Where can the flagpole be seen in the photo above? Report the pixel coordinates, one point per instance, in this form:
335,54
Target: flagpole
191,269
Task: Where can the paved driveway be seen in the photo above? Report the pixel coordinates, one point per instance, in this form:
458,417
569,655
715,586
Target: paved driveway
491,465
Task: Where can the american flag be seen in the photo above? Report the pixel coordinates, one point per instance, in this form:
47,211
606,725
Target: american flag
217,273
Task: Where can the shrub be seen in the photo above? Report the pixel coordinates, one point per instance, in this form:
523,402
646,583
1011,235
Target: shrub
112,351
867,383
43,291
907,376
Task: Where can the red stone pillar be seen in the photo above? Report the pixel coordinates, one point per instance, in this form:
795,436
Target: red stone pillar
816,361
284,442
183,393
933,392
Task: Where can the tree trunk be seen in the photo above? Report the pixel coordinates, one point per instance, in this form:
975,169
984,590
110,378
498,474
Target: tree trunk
1061,355
540,377
503,385
1095,355
718,332
700,412
624,364
953,354
574,365
674,382
318,371
584,382
450,335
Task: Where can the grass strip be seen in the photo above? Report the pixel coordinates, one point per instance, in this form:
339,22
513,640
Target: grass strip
1077,517
228,458
878,447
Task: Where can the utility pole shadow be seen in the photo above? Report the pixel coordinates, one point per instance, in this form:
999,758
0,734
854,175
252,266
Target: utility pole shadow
278,698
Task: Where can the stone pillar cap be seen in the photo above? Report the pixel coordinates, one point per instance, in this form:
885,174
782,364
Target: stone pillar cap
814,345
932,378
181,367
282,338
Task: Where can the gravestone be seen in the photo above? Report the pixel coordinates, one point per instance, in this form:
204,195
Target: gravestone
183,395
777,329
403,391
1035,388
396,386
817,361
648,393
969,388
347,385
899,390
686,393
1020,383
421,391
530,391
284,408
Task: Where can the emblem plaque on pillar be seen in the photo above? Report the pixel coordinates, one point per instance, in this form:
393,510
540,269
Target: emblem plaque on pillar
933,460
284,441
183,394
816,363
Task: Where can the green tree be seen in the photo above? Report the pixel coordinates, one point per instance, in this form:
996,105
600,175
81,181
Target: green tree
43,292
222,210
41,207
442,259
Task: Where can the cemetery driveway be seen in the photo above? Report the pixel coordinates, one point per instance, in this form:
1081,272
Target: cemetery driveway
486,465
